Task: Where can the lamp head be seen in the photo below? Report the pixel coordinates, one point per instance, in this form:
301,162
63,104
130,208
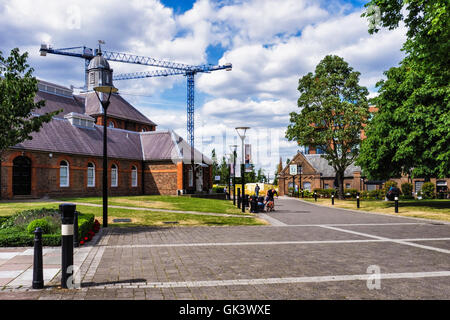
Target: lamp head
241,131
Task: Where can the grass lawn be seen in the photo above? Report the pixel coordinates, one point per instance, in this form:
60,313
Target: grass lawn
145,218
165,202
429,209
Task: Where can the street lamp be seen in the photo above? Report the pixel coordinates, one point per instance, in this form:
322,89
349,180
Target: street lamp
233,148
241,132
105,104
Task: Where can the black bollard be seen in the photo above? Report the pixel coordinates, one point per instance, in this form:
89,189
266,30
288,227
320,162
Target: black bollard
239,198
67,211
315,196
76,243
357,200
303,195
396,204
38,272
332,199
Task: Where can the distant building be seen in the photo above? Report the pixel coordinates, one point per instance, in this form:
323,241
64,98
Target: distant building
65,157
317,174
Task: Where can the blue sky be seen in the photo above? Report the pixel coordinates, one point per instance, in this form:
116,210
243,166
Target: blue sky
271,44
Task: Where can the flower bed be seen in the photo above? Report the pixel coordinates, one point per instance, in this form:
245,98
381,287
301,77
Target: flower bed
17,230
91,233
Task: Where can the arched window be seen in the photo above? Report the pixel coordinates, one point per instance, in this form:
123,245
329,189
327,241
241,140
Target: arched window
307,186
63,173
111,124
91,175
144,130
114,176
134,177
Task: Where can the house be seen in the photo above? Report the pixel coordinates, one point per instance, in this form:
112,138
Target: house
64,158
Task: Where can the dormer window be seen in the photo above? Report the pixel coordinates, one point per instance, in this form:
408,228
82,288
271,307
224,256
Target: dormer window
80,120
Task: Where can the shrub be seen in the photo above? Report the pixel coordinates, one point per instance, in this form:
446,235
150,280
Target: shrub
18,235
407,189
41,223
218,190
350,193
23,218
325,193
389,184
427,190
376,194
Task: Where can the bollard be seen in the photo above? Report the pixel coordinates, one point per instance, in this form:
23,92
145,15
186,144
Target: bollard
396,204
315,196
67,211
332,199
303,194
76,243
239,198
357,200
38,272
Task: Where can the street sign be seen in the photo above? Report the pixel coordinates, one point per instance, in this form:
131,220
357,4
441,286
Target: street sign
293,169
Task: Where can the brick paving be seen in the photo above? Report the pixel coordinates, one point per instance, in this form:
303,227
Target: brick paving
309,252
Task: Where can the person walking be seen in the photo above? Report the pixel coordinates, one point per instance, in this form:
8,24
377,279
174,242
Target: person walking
257,190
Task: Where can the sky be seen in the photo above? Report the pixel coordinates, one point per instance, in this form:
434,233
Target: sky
270,44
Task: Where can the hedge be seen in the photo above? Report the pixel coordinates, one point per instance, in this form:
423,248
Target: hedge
19,237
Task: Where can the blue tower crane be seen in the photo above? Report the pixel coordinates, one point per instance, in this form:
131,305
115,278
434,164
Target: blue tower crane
172,68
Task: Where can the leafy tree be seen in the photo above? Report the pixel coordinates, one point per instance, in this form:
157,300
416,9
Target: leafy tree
223,171
18,88
411,130
334,109
215,165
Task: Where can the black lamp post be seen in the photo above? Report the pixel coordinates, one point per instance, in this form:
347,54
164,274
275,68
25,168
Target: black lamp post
241,132
105,104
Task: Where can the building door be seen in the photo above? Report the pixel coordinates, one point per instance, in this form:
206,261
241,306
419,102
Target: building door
21,176
200,179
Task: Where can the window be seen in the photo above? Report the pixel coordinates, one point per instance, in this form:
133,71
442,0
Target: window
114,177
191,178
91,175
63,174
144,130
111,124
347,186
134,180
327,186
307,186
418,186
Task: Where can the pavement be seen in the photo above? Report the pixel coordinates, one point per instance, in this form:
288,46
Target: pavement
307,252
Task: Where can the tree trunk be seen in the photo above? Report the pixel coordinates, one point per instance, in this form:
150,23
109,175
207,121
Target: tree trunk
340,181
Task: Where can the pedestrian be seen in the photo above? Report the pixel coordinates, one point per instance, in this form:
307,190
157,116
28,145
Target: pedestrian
257,190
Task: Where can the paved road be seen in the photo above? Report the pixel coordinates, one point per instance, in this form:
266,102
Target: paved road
308,252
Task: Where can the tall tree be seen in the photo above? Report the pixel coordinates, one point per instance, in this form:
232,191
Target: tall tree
334,109
18,88
215,165
411,130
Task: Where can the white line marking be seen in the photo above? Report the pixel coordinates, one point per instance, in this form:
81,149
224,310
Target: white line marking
391,240
258,243
288,280
273,221
356,224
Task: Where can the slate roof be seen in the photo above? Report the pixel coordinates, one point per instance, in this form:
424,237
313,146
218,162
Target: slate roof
60,136
321,165
118,108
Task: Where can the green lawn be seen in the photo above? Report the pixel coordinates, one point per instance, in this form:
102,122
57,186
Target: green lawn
149,218
430,209
165,202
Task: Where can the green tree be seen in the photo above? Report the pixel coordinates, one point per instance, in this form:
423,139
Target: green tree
411,130
18,88
215,165
223,171
334,109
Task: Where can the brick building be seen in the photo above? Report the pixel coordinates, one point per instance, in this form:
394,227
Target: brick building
316,174
65,157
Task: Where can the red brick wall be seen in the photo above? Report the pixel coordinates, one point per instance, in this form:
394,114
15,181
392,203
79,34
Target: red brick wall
45,172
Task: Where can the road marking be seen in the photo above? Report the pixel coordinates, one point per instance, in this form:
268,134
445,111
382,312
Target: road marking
399,241
356,224
259,243
274,222
288,280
